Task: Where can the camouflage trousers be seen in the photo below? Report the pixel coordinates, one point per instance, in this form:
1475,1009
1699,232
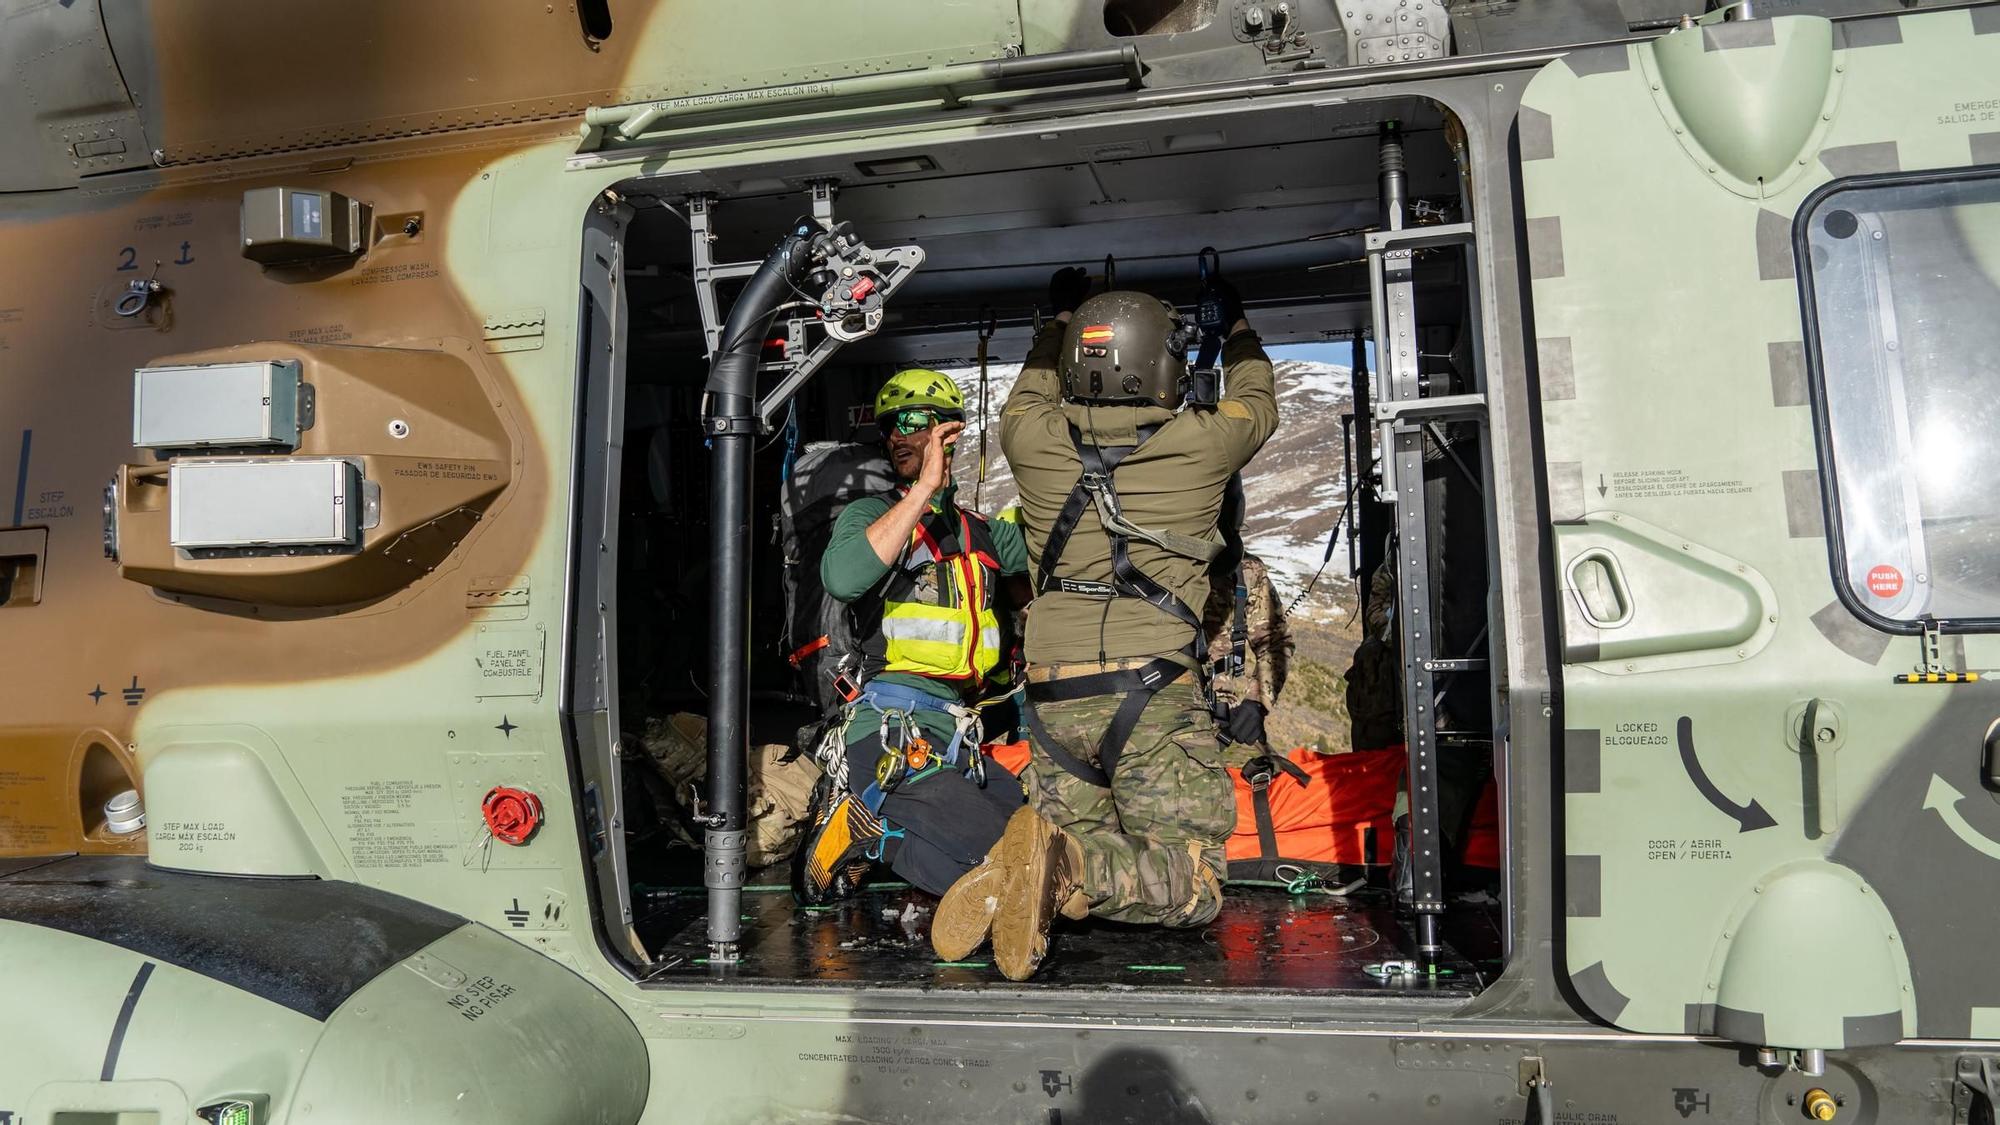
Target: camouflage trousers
1152,843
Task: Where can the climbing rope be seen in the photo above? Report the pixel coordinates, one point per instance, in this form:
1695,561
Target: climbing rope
987,324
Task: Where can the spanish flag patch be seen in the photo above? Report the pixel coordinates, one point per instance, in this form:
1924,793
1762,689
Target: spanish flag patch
1097,334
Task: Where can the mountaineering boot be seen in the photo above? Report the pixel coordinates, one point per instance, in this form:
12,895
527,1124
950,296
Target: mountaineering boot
842,840
965,914
1044,876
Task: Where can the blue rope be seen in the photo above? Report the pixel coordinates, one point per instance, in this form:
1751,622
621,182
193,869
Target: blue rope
791,445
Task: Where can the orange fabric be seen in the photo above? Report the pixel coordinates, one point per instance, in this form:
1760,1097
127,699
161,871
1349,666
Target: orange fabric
1482,840
1010,756
1328,820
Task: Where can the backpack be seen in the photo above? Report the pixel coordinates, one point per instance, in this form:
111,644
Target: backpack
819,637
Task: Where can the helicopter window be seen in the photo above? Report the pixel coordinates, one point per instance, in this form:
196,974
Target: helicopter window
1901,284
1157,17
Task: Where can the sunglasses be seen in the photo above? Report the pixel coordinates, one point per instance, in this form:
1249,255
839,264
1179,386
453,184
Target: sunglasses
914,420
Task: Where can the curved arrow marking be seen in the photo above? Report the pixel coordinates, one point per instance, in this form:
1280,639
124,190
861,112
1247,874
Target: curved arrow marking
1944,797
1748,818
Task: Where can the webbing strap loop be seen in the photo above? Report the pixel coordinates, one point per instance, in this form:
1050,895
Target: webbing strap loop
1267,831
1258,773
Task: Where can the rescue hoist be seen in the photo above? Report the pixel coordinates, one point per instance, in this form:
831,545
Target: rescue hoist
831,287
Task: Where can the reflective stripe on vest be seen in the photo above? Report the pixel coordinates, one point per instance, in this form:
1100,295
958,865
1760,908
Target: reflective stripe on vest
951,642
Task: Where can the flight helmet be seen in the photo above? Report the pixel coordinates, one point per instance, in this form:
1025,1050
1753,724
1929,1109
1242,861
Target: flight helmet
1126,348
918,389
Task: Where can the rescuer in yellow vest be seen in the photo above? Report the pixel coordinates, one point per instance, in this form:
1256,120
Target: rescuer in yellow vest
920,575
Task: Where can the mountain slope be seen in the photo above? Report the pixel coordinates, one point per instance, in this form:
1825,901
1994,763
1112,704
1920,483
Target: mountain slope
1294,490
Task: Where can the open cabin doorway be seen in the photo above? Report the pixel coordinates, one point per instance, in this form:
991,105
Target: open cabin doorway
1288,196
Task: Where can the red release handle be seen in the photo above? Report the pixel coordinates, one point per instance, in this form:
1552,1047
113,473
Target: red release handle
512,815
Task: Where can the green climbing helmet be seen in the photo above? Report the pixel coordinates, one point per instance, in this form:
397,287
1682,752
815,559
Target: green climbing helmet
918,387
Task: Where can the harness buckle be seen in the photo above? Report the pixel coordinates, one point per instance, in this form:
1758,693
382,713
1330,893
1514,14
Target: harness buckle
846,687
1258,772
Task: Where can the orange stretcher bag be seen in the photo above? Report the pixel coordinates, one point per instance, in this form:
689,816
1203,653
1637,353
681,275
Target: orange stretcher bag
1319,810
1323,810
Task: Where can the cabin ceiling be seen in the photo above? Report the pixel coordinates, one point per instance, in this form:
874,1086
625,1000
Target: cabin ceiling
995,216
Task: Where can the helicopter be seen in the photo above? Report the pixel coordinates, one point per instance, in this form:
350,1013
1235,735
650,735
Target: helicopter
372,484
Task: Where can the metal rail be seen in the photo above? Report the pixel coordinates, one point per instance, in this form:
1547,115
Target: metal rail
949,85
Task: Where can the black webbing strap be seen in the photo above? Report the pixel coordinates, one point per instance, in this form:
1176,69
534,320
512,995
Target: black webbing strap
1259,772
1148,677
1239,630
1130,581
1136,684
1127,580
1078,500
1260,802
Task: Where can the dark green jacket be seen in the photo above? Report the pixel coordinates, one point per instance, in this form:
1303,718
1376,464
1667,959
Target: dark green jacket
1174,482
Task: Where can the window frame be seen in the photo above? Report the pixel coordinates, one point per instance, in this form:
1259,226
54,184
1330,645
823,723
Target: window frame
1816,393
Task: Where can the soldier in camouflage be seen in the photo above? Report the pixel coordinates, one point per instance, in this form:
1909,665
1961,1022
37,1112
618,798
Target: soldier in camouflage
1122,495
1244,694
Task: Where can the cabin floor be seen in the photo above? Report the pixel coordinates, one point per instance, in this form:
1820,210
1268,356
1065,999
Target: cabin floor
1265,939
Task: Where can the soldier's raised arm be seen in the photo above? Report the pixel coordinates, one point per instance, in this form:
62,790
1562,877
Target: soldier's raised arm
1037,393
1249,410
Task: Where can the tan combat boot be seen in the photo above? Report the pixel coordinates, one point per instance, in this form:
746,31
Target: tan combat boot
965,914
1044,876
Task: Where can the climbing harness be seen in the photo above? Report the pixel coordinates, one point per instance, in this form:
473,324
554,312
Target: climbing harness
1095,485
908,755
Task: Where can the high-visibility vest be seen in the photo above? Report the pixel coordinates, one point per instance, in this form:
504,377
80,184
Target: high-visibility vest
936,603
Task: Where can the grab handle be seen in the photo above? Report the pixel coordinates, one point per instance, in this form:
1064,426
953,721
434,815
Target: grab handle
1598,583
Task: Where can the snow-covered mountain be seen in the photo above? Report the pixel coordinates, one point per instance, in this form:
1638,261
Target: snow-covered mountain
1295,488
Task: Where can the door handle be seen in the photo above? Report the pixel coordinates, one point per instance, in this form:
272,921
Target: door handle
1820,735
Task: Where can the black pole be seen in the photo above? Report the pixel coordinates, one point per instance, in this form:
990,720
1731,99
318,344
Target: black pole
1369,531
730,419
1395,186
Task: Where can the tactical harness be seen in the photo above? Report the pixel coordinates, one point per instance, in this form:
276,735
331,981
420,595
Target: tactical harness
1095,485
906,755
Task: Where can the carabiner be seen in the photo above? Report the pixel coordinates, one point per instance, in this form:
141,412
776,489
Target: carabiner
989,324
1208,263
